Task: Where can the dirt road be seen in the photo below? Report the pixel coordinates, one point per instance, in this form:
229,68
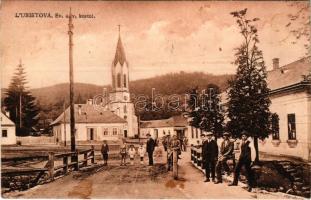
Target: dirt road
138,181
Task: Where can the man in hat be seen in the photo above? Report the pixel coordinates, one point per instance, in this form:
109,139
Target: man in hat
245,160
226,153
150,148
209,155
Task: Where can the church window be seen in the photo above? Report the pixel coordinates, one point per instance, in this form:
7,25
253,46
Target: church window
124,109
119,80
125,81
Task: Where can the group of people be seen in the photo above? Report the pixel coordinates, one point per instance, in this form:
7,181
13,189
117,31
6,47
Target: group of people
131,151
215,159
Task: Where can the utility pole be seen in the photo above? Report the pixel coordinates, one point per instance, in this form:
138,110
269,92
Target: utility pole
20,100
72,112
65,137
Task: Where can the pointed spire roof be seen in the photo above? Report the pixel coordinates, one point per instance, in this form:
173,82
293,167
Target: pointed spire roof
120,54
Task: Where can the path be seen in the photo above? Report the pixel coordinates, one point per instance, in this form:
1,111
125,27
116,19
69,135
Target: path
138,181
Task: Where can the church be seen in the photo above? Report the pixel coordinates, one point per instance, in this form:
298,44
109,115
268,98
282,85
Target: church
111,118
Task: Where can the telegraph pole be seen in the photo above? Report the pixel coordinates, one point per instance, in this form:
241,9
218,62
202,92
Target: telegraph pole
72,112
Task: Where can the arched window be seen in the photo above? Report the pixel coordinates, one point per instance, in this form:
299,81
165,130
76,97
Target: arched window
119,79
124,109
124,80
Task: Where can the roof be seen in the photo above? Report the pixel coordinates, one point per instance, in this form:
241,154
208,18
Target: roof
5,120
175,121
89,114
289,74
284,76
120,54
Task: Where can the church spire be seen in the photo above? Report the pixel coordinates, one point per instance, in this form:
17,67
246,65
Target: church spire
120,54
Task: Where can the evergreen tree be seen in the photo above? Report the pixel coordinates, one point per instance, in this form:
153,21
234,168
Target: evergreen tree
194,108
212,116
21,104
248,105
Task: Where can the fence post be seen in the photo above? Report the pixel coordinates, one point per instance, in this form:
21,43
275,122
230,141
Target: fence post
65,163
175,165
85,159
51,165
93,155
77,159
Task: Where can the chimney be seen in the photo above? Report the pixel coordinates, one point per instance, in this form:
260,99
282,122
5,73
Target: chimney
276,64
89,102
79,109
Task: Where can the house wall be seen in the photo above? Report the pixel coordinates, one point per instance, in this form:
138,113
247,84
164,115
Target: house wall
298,103
82,131
11,135
33,140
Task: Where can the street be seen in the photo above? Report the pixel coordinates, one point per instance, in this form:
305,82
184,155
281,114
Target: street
138,181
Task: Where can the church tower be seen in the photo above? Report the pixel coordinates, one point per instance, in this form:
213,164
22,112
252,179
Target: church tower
120,101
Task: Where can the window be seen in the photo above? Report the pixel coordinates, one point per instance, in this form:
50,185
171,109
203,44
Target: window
192,132
105,131
125,98
155,133
275,128
164,132
124,81
196,133
119,80
114,131
4,133
124,109
169,132
291,121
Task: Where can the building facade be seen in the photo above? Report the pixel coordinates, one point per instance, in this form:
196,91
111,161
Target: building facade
92,122
291,102
8,131
176,125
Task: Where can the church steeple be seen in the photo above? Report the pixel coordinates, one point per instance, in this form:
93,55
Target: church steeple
119,68
120,54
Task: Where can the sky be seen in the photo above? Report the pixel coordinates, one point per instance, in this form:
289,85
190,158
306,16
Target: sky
159,37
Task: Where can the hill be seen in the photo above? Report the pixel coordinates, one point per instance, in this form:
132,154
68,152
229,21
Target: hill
51,99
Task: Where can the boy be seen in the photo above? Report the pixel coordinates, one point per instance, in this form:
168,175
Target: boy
123,153
132,153
141,152
105,150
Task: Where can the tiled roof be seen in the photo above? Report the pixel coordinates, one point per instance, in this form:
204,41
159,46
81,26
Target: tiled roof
175,121
120,54
289,74
89,114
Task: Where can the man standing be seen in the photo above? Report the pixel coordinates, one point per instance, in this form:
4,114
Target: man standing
209,155
226,153
105,150
150,148
245,160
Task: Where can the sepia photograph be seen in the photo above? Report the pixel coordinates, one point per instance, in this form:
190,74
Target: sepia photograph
155,99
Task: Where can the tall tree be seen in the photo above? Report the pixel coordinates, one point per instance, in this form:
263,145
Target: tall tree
21,104
194,108
248,105
212,116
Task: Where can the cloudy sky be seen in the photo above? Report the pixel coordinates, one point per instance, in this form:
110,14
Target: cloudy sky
159,37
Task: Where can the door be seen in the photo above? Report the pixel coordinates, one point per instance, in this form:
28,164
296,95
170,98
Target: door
125,133
90,134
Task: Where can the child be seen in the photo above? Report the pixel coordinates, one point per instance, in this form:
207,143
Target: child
123,153
132,153
105,150
141,152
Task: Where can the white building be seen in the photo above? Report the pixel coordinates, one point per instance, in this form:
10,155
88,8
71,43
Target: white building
176,125
8,132
92,122
291,100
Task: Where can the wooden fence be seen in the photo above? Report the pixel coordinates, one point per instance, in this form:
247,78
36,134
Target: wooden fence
196,157
57,164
